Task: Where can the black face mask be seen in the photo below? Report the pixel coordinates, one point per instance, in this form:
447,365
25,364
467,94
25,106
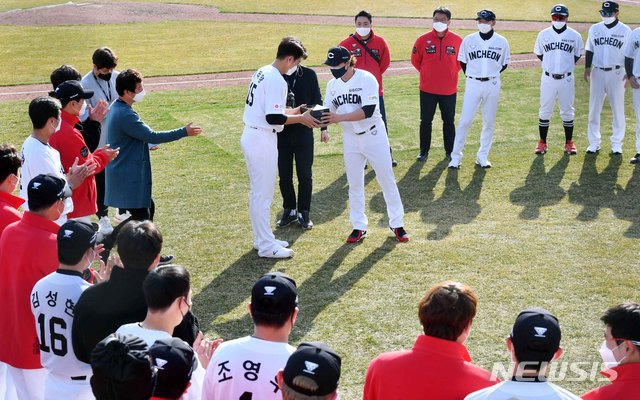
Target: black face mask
105,77
339,72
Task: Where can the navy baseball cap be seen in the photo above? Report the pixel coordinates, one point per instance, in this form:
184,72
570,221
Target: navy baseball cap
74,238
71,90
315,361
337,56
46,189
175,361
610,6
536,335
274,293
560,9
487,15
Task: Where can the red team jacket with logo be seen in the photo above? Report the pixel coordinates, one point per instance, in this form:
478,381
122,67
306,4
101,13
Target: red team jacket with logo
365,62
9,209
70,144
28,252
437,60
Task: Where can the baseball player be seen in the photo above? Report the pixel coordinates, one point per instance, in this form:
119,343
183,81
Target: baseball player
352,98
605,51
265,115
53,299
632,67
559,48
483,56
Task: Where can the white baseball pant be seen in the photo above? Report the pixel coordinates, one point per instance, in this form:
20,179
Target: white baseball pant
29,383
562,89
636,106
7,389
260,148
477,92
603,84
372,146
57,387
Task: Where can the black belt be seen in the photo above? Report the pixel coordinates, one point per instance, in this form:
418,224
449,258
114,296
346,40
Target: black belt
79,378
557,76
365,131
480,79
253,127
610,68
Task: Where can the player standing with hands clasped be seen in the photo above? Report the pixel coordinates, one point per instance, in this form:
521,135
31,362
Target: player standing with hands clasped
265,114
605,50
352,98
559,48
632,67
483,56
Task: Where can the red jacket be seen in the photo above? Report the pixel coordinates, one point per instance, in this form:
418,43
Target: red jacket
365,62
625,384
9,210
70,144
434,369
437,60
28,252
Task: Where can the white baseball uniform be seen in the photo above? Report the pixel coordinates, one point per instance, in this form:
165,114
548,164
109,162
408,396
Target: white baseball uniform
558,51
632,50
246,369
484,59
364,140
267,95
607,80
53,300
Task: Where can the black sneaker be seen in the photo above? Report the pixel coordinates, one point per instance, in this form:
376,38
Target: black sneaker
287,218
447,156
635,159
422,157
164,260
394,163
303,219
356,236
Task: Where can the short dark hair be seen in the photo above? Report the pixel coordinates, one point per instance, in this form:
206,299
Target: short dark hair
624,320
139,243
291,46
164,285
271,320
447,309
10,161
365,14
442,10
41,109
127,80
104,57
64,73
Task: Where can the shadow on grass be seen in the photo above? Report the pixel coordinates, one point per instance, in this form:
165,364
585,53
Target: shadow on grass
541,188
627,206
595,191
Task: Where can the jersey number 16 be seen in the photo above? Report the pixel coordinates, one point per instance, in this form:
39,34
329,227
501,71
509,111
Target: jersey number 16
57,341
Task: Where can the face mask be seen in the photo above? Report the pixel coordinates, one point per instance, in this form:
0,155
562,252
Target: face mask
440,26
139,96
608,20
83,108
484,28
363,31
607,355
291,70
339,72
105,77
57,128
558,24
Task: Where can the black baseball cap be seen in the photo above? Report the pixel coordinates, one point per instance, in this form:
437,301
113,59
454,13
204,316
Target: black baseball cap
316,361
610,6
122,368
337,56
536,335
175,361
560,9
46,189
487,15
71,90
274,293
74,238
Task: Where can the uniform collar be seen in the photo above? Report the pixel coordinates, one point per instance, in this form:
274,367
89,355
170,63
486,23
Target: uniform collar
446,348
39,222
13,201
69,272
71,119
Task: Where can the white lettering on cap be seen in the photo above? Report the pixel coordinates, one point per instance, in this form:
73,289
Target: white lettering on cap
68,233
310,367
540,332
330,55
36,185
269,290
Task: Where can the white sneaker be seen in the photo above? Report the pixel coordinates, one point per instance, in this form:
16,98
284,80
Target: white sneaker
104,226
483,164
277,252
121,217
281,243
616,149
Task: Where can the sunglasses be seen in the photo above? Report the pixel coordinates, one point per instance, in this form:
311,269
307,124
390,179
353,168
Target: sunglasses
558,17
606,13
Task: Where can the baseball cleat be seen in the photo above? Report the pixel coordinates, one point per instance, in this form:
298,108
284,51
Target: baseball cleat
401,234
570,148
277,252
454,165
104,226
593,149
287,217
281,243
422,157
447,156
541,147
616,150
394,163
485,164
121,216
356,236
304,220
635,159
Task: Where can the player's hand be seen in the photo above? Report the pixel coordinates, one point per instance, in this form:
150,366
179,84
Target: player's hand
587,74
298,110
324,136
634,82
205,348
330,118
99,112
308,121
111,153
193,130
105,269
77,173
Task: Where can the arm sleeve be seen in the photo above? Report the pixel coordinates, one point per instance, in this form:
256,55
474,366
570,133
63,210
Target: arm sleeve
276,119
463,66
540,56
504,67
78,333
134,127
588,58
368,110
416,55
91,133
275,94
628,66
385,57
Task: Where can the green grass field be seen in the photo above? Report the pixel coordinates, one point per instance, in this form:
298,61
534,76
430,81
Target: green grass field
554,231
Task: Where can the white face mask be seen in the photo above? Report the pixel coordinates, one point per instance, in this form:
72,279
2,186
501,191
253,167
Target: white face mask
59,124
139,96
608,20
440,26
558,24
607,355
484,28
363,31
83,108
292,70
